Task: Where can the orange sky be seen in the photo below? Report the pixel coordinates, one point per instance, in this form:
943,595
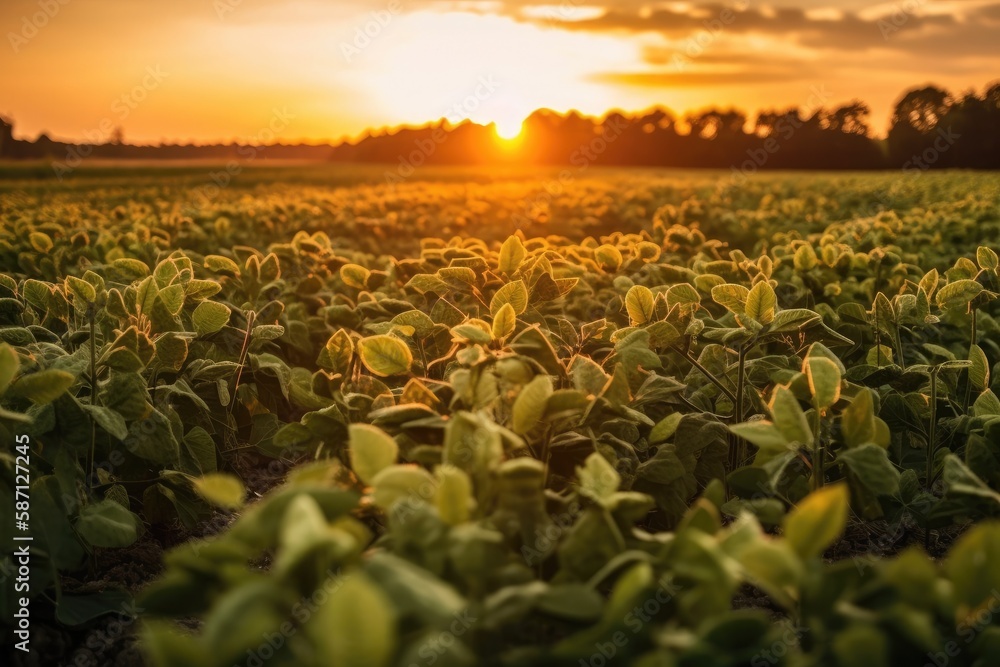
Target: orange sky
207,70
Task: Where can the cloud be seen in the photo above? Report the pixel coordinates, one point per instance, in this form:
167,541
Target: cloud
675,79
970,33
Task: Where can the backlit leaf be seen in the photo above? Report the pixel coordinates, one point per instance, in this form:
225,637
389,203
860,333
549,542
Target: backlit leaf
512,253
357,625
529,406
817,521
515,294
824,381
732,297
210,316
371,450
761,303
385,355
221,489
639,304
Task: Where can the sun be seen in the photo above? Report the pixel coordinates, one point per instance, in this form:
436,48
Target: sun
508,128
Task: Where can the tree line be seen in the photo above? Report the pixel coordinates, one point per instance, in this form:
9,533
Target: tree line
930,129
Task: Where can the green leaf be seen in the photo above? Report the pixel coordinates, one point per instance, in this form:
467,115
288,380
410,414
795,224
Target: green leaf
665,428
861,645
960,481
732,297
824,381
303,528
986,405
662,334
112,422
131,268
10,363
972,568
857,423
171,351
336,354
107,524
421,322
40,241
774,568
210,316
817,521
371,450
870,464
385,355
682,294
473,330
820,350
198,453
793,319
504,322
789,417
81,289
929,282
761,302
415,591
172,298
979,372
37,294
805,258
512,253
639,304
457,276
958,294
357,625
43,387
608,257
987,259
240,616
598,479
399,482
764,435
124,360
267,332
151,438
453,498
355,276
220,264
529,406
515,294
221,489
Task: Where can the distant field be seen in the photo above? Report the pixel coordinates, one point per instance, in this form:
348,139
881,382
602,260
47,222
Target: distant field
537,398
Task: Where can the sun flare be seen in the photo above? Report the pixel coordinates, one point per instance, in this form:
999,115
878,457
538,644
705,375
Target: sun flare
508,129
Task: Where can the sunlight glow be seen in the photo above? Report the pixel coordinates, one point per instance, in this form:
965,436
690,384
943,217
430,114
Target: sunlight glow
508,128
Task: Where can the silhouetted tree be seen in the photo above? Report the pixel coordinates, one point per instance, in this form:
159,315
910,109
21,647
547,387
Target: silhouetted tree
930,128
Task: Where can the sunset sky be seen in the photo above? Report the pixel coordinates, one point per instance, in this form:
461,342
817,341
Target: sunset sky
207,70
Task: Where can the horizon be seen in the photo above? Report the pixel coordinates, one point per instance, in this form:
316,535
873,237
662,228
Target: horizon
233,71
503,134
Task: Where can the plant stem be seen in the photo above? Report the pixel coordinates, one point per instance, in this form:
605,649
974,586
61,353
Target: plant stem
818,453
932,430
899,350
93,395
740,381
238,375
707,373
423,354
967,399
